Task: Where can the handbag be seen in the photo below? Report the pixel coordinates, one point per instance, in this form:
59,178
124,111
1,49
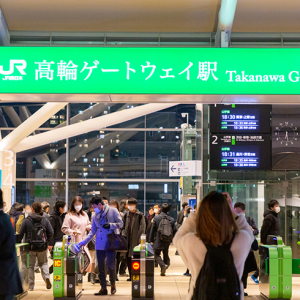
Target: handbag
91,244
116,242
254,245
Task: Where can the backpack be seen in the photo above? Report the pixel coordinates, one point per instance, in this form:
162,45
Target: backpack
165,231
37,237
218,278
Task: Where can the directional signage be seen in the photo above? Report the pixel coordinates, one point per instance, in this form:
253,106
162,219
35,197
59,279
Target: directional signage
129,70
185,168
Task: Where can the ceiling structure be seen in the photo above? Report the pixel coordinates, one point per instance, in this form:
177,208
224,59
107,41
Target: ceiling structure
148,16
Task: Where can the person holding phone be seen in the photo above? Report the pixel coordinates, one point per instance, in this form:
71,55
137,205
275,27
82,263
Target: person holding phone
76,224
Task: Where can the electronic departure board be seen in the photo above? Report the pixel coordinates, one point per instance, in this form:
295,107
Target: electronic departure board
240,118
240,151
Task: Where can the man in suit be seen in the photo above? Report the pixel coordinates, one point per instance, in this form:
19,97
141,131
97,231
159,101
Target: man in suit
10,281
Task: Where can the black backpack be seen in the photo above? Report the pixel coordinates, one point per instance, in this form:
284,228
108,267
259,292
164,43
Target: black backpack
165,231
37,237
218,278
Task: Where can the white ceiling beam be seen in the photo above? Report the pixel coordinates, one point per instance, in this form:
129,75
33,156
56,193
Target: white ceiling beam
30,125
89,125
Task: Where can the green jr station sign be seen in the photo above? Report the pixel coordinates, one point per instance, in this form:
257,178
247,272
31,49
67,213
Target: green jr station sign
149,70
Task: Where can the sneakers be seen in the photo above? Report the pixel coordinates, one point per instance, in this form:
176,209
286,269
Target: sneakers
124,275
48,284
101,292
255,280
113,289
163,270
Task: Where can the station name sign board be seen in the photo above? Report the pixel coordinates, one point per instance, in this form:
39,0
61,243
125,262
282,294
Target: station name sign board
79,70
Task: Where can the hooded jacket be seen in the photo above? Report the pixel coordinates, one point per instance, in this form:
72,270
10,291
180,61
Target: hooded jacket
27,226
270,225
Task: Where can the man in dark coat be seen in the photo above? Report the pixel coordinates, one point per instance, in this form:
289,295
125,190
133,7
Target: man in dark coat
134,225
159,245
180,215
10,281
56,220
270,224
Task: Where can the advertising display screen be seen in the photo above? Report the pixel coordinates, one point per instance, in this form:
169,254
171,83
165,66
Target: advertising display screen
241,151
240,118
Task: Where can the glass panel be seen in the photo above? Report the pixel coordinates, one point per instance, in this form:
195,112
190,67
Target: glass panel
12,116
107,154
172,117
48,161
161,147
85,111
28,192
160,192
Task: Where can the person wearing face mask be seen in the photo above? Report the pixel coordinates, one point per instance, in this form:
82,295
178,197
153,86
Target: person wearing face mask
106,221
134,225
76,224
56,220
270,226
27,210
250,263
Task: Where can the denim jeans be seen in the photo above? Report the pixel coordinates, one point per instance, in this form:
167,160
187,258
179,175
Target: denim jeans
110,264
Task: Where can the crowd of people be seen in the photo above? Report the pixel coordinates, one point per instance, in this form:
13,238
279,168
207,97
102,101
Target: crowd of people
202,237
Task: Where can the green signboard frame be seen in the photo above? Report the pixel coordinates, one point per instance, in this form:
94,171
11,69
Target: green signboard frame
195,71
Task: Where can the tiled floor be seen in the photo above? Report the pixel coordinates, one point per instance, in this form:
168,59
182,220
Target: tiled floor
174,286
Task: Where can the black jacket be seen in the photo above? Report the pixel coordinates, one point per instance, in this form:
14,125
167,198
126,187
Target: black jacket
180,217
10,281
27,225
154,238
56,221
251,222
270,225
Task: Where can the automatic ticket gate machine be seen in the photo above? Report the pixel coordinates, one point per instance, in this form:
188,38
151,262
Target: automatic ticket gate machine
68,265
142,270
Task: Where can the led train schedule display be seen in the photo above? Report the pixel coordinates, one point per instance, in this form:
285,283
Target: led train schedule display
234,152
240,118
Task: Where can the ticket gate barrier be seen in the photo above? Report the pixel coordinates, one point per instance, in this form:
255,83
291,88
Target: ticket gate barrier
142,271
67,271
276,269
22,252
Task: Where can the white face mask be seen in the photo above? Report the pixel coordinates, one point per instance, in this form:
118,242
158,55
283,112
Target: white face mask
277,209
78,208
156,210
131,207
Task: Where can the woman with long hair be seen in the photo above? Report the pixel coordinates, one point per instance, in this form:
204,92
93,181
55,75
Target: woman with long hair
76,224
215,224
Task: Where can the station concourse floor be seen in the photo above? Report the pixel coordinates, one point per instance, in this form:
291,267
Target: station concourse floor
174,286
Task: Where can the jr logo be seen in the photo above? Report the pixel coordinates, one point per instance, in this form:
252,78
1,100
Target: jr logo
20,65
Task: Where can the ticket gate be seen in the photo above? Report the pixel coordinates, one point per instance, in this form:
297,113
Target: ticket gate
68,266
23,264
276,269
142,270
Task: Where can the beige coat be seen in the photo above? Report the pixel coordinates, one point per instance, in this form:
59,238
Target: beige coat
82,224
193,251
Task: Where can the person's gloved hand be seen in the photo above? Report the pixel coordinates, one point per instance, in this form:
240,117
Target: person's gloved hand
81,244
106,226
